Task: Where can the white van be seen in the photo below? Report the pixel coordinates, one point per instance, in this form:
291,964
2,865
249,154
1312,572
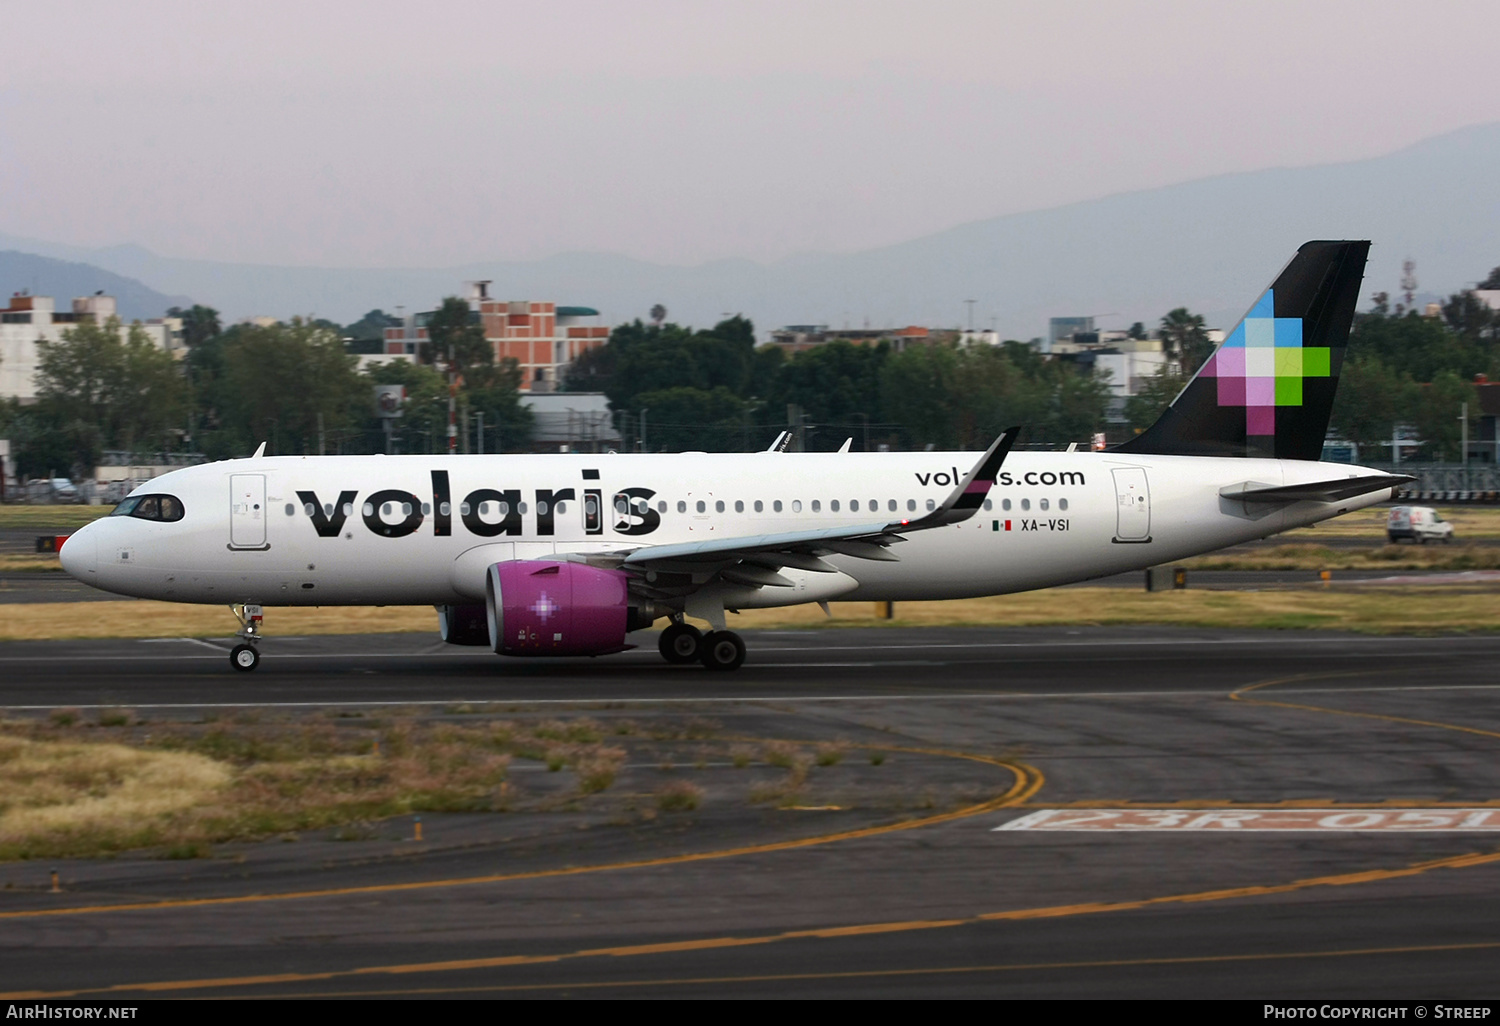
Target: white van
1419,523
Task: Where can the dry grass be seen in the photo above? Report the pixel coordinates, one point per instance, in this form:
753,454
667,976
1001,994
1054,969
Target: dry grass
65,790
830,754
38,563
1313,558
679,796
51,518
55,795
1370,610
1470,523
127,619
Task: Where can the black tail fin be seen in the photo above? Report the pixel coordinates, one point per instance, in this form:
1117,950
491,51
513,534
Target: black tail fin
1268,388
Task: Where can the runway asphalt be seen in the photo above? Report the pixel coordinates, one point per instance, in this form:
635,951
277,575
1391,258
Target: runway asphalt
916,897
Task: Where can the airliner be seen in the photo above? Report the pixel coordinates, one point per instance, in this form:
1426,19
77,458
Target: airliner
567,554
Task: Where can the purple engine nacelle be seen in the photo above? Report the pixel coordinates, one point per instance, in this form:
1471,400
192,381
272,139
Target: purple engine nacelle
548,608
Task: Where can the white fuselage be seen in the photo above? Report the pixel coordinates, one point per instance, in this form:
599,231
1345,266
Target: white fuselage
275,531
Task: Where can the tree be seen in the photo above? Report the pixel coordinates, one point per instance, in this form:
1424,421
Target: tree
1416,346
1147,405
1492,282
692,418
836,384
199,324
372,325
495,391
1435,414
1469,316
1372,399
1137,331
1184,340
281,384
100,387
455,337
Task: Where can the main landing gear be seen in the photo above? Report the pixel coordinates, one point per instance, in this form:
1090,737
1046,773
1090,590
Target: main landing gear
718,650
246,656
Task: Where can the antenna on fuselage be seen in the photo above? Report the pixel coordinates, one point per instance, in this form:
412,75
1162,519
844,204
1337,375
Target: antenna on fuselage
259,452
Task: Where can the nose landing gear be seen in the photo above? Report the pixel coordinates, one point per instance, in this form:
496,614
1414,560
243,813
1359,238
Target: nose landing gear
246,656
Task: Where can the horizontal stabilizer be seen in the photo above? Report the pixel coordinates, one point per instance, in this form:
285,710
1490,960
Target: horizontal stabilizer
1315,491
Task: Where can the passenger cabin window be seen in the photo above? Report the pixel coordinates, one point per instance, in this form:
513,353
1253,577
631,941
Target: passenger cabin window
760,507
719,506
1044,504
776,506
891,505
162,508
833,506
1062,504
911,505
702,506
1025,503
796,505
817,507
681,506
739,505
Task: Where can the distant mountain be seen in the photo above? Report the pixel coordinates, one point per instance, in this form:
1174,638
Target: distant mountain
1210,245
64,280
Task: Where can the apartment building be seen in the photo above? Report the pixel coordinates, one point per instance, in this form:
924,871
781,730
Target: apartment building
30,319
542,336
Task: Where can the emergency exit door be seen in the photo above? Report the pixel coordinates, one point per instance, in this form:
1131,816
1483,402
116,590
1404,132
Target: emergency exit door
247,511
1132,505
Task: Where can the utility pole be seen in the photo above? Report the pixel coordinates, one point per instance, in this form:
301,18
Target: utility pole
452,404
1463,420
479,447
644,411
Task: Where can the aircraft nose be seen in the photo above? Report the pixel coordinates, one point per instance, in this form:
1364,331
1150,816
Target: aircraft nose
80,553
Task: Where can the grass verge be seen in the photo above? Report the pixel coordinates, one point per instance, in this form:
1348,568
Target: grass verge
1313,558
1405,609
50,518
127,619
74,787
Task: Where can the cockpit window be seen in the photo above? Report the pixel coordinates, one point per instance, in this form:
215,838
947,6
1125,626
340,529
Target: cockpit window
167,508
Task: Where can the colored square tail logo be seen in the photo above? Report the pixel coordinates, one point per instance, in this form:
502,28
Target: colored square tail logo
1263,364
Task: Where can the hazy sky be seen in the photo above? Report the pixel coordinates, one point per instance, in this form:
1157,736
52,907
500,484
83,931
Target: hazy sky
432,133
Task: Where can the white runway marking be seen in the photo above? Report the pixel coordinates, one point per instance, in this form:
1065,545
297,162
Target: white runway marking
1261,820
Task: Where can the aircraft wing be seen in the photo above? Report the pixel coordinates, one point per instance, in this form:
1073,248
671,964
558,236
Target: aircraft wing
753,559
1316,491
